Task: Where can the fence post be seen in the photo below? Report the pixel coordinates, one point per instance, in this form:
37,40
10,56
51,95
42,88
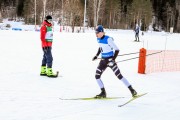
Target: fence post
142,61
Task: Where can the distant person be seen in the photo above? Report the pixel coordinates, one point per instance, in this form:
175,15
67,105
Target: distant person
109,51
47,39
136,30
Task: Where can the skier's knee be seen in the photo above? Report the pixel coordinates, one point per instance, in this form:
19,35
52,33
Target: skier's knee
119,75
97,76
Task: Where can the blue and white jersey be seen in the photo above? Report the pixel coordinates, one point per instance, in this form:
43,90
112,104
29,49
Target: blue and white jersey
107,46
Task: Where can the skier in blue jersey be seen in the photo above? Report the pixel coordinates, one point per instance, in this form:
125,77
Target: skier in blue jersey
109,51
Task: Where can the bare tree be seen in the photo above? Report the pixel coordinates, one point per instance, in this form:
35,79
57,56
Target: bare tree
177,25
73,12
44,8
96,7
0,17
112,14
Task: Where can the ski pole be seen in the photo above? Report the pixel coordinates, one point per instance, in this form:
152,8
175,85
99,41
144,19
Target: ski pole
128,54
124,54
138,57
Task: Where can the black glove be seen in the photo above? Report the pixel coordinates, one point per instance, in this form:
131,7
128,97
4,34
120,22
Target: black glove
94,58
111,62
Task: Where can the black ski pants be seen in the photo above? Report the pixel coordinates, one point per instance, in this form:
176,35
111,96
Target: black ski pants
103,64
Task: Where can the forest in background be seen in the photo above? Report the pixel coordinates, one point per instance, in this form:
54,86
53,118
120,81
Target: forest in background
112,14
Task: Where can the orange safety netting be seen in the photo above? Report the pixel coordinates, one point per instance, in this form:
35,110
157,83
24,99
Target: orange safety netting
168,60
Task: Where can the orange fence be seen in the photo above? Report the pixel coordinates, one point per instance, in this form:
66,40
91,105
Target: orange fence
163,61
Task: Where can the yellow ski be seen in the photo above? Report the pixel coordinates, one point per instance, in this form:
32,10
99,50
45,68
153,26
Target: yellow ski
91,98
132,99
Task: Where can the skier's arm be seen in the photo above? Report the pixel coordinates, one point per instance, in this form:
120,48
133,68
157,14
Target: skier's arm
115,54
43,33
113,45
99,51
95,57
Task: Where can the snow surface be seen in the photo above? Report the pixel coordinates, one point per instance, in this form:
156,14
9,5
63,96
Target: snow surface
24,95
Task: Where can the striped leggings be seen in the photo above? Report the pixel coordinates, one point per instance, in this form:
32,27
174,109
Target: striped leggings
103,64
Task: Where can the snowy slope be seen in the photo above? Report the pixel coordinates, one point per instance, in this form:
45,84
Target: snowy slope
24,95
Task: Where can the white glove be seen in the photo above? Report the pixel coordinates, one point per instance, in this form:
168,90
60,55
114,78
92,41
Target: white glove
111,62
